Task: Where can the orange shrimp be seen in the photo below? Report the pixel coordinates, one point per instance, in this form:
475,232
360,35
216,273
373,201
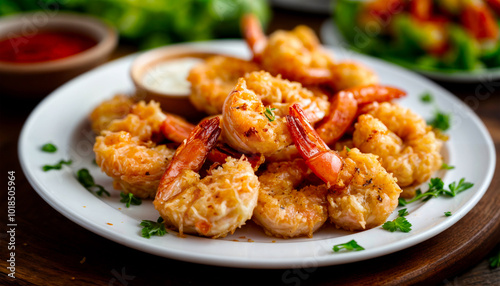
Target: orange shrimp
176,128
215,205
344,107
325,163
361,193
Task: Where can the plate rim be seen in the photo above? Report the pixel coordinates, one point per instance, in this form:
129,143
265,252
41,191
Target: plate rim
247,262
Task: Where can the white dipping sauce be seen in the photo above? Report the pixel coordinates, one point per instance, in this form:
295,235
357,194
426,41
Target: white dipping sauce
170,76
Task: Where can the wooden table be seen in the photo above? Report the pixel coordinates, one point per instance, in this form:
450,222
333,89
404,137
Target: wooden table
51,250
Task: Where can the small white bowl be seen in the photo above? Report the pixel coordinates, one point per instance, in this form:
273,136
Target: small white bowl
177,103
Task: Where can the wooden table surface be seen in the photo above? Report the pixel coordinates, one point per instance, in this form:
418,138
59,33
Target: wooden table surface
52,250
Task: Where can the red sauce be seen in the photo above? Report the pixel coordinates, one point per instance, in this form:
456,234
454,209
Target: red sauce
44,46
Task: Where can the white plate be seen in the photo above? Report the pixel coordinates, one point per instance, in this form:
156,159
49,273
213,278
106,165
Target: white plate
330,35
62,119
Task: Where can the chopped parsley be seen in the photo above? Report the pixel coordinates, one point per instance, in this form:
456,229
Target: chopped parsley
87,181
153,228
49,147
426,97
495,260
447,213
130,199
447,167
269,114
436,189
403,212
400,223
57,166
350,246
440,121
348,149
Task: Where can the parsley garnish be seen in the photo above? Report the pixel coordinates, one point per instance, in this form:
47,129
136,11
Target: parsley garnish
50,148
153,228
400,223
403,212
426,97
447,167
57,166
269,114
495,260
350,246
348,149
440,121
129,199
436,189
447,213
87,181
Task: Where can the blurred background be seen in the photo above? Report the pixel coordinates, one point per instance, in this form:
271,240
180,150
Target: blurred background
152,23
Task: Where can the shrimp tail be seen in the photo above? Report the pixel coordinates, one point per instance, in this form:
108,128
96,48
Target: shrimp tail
191,154
325,163
374,92
175,128
254,35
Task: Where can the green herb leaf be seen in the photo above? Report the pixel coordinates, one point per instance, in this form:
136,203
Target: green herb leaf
350,246
447,167
57,166
403,212
462,186
440,121
50,148
447,213
348,149
400,223
153,228
426,97
495,260
269,114
129,199
83,176
436,189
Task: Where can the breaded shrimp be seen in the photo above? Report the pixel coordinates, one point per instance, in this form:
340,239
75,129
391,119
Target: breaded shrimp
405,145
362,193
298,55
245,126
253,114
215,205
126,150
213,80
283,209
115,108
136,166
365,193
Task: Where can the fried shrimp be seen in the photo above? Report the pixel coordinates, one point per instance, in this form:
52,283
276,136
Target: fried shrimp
115,108
245,126
344,108
365,194
362,194
126,150
135,166
215,205
284,210
405,145
212,81
253,114
351,74
296,55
